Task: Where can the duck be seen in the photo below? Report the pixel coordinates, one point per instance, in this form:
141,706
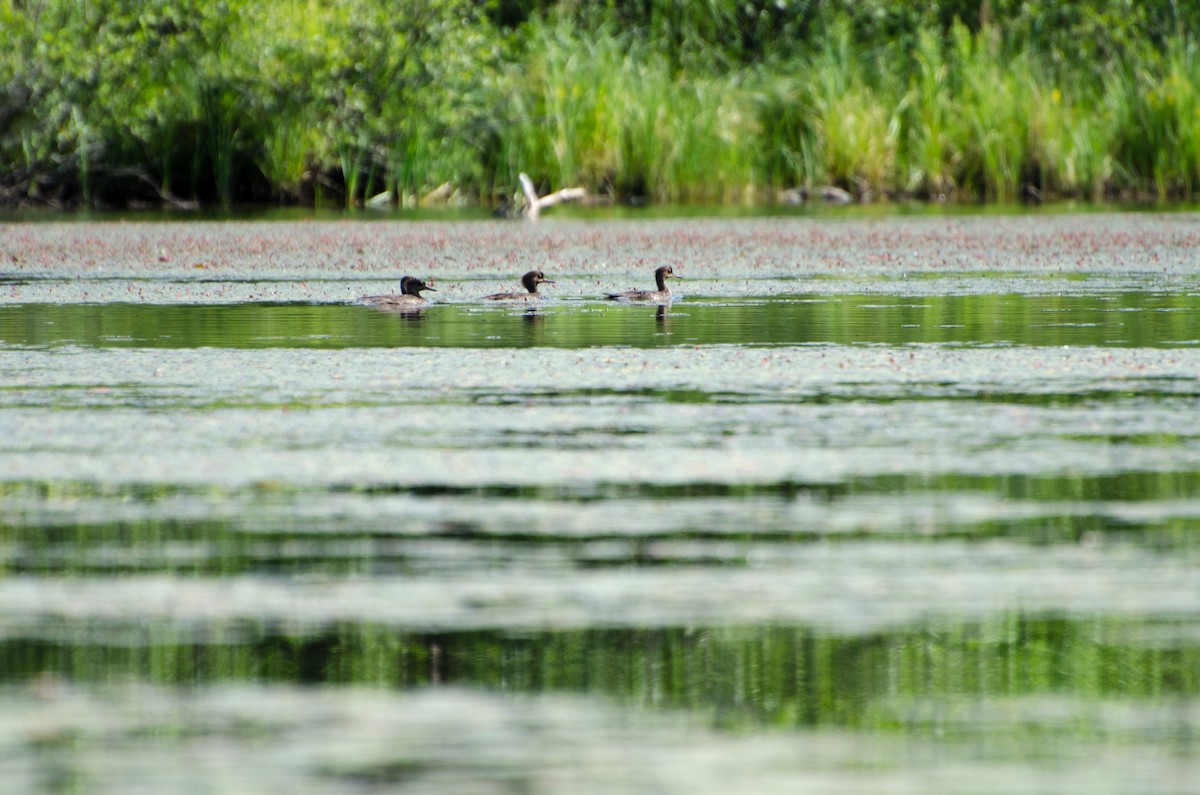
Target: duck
410,295
531,280
661,295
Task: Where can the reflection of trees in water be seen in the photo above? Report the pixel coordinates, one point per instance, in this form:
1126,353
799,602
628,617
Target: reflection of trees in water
739,675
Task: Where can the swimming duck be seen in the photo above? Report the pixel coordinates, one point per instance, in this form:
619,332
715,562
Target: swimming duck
531,281
410,295
662,294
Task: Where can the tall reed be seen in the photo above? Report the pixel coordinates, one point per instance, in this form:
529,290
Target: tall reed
606,109
1159,132
664,100
853,114
996,98
931,124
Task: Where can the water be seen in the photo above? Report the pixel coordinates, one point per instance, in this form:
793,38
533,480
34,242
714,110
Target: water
1127,319
927,524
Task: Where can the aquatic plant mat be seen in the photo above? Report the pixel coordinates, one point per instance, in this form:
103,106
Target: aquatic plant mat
902,504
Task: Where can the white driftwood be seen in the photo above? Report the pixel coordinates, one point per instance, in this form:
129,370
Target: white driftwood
534,204
439,195
379,201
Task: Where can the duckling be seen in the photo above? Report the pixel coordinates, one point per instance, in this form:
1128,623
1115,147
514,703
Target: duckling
531,280
661,295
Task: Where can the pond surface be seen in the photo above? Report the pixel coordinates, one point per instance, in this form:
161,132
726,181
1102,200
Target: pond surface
907,505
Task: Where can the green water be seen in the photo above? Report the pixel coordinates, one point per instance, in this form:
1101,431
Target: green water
1123,319
839,535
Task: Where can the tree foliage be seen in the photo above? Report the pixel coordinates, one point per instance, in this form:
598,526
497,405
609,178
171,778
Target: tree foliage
115,101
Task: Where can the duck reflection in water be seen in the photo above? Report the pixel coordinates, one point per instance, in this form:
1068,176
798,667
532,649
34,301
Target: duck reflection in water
533,326
411,314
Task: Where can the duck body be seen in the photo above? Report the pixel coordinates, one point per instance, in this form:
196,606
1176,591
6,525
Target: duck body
410,295
530,280
661,295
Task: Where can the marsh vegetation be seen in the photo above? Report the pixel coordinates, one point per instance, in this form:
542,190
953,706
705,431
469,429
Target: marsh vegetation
113,102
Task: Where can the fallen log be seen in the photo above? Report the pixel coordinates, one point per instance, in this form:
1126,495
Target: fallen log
534,204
